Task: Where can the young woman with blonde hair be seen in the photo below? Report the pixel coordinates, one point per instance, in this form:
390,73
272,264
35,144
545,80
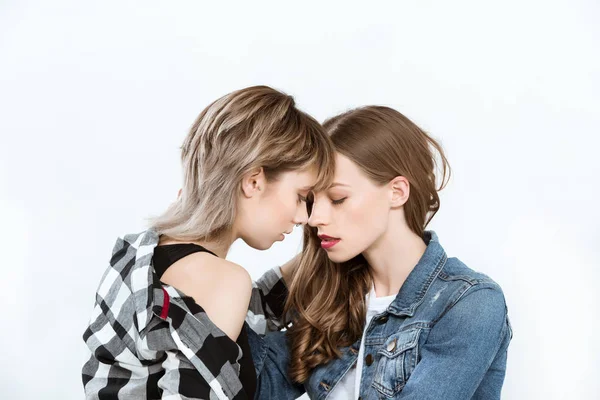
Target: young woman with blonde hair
169,315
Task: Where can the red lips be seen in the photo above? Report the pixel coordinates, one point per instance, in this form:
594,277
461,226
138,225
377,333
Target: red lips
325,237
328,242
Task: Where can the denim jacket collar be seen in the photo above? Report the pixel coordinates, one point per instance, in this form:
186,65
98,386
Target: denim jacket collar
419,280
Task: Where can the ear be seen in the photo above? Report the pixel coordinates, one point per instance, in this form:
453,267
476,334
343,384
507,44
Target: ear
399,191
253,182
179,193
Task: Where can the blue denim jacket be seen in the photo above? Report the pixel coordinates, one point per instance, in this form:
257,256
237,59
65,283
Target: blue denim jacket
445,336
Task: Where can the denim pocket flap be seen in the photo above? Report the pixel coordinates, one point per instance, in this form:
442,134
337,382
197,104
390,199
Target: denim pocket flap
400,342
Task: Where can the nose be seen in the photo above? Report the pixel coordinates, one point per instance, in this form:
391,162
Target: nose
301,216
318,215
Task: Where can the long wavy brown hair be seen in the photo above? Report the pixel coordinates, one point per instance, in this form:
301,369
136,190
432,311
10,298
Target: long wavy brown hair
326,301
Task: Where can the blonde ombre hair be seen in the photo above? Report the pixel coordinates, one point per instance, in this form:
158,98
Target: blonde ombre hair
244,130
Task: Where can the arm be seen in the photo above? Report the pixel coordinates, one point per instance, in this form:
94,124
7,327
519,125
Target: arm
271,358
461,348
269,294
288,269
181,380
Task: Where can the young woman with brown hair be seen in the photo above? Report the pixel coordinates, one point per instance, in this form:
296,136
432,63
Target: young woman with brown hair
377,308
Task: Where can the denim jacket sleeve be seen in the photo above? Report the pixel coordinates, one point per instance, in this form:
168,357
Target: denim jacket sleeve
271,357
461,348
265,311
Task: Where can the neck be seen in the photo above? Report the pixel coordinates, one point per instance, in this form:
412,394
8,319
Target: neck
393,256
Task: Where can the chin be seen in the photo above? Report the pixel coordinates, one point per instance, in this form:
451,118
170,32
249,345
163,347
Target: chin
341,256
338,258
264,246
259,245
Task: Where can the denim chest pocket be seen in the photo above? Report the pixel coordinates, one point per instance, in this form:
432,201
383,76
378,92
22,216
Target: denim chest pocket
397,359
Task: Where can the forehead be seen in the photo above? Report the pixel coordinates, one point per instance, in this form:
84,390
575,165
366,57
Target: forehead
346,171
303,179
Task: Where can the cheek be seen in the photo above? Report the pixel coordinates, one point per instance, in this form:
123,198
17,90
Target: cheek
368,221
281,208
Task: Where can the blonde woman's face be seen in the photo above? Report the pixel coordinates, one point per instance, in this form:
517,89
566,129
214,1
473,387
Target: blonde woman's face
277,208
352,214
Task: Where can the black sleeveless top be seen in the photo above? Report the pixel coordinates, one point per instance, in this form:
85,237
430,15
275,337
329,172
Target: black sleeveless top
165,256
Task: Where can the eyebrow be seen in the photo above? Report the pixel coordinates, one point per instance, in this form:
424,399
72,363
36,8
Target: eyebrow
338,184
311,188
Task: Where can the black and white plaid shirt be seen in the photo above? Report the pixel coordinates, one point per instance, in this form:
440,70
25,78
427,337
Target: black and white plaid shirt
146,340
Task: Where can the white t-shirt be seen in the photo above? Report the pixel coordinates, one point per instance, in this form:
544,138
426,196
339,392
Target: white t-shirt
349,386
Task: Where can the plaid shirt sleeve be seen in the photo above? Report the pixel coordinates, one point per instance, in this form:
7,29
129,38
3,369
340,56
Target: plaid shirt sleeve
180,379
265,312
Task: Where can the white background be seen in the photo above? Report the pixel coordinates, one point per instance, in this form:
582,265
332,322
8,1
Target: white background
95,99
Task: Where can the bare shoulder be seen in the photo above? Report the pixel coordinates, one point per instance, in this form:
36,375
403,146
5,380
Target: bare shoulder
222,288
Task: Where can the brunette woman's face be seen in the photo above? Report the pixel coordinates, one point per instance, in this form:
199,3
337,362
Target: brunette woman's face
352,214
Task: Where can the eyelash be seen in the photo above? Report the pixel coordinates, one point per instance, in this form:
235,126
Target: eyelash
334,202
